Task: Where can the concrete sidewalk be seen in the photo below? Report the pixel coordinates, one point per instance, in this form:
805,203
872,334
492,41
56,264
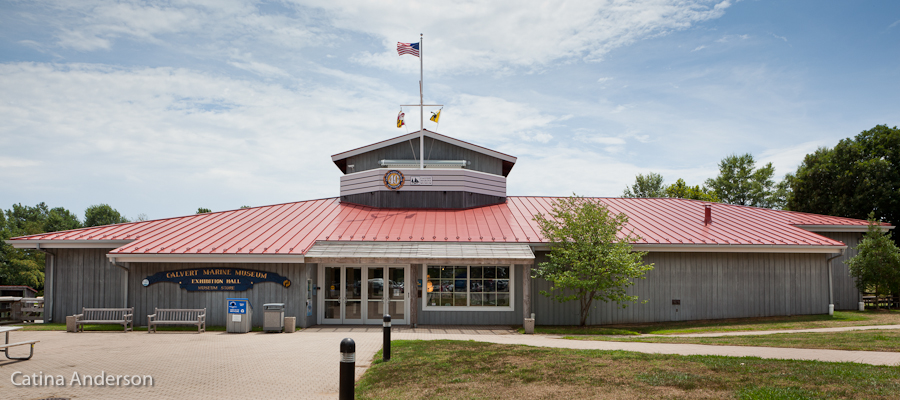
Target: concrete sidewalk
773,332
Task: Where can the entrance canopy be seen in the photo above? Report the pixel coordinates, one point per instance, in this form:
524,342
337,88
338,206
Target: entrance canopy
419,253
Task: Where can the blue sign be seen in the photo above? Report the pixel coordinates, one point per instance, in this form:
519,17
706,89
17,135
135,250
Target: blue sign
237,306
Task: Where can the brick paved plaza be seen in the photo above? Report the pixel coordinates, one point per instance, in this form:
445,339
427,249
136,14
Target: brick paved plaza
190,365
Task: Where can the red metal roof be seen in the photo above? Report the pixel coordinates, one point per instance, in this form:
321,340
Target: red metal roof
292,228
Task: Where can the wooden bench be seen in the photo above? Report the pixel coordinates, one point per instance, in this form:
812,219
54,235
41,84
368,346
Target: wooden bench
5,349
123,316
177,316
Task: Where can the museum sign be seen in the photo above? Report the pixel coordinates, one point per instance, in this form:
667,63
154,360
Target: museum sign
216,279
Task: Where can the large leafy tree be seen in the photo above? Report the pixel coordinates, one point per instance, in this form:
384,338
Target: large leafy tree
858,176
650,185
102,214
590,259
740,182
26,267
877,266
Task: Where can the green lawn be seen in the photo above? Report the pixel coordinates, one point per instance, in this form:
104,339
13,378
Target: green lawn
869,340
455,369
840,318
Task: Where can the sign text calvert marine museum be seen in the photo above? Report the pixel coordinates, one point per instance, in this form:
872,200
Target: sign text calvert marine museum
216,279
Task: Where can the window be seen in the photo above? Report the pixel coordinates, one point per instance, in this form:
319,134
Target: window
475,287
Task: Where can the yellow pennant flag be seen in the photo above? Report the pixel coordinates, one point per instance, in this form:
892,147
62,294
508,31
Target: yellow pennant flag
435,116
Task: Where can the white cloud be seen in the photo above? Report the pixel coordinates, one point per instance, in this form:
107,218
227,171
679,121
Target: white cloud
897,22
787,159
727,38
493,121
563,169
540,137
498,35
698,48
193,27
501,34
259,68
150,132
158,139
605,140
13,162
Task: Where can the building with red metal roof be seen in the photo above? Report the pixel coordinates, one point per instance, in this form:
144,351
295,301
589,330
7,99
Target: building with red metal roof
438,241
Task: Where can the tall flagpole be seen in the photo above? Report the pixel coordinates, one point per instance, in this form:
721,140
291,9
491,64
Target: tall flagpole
421,107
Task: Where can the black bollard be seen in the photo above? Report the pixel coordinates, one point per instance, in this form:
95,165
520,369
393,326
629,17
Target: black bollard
386,347
348,369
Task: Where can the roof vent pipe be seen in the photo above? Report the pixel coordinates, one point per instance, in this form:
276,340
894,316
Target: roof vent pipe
707,218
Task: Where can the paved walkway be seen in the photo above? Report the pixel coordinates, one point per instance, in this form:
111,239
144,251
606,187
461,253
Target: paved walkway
773,332
299,365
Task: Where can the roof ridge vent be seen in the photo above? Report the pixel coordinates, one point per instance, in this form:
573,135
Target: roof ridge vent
707,216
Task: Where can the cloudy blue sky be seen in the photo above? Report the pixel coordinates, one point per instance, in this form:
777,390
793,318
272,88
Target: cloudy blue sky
161,107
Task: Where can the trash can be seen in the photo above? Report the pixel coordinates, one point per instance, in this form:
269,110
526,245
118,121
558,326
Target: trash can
273,317
240,313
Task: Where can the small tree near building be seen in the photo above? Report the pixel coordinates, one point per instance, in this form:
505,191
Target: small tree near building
876,267
590,259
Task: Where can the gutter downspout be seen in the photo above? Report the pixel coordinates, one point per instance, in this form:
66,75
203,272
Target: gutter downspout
48,284
831,282
112,260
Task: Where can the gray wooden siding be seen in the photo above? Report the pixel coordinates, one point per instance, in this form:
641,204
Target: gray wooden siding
434,150
170,295
477,317
846,296
710,286
442,180
84,278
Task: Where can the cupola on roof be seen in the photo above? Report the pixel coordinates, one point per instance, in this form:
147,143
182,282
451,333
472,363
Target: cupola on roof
453,175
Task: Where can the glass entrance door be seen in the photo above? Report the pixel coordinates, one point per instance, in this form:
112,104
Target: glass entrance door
343,294
375,295
357,294
386,292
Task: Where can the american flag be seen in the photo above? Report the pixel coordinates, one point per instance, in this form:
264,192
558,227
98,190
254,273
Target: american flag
407,48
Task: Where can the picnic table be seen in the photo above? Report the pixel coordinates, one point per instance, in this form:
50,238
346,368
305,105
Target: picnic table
6,344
